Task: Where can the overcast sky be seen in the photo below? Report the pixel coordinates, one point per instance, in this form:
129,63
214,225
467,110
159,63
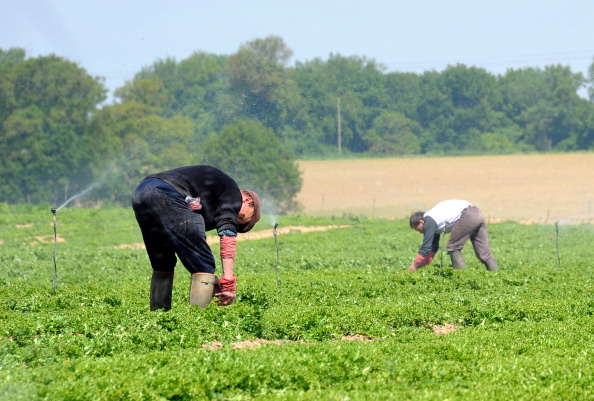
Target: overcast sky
115,39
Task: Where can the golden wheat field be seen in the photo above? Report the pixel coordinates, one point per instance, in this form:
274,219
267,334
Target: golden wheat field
524,188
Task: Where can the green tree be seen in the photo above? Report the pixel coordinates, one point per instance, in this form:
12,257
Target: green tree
457,106
403,93
196,88
129,142
545,105
44,123
357,82
394,134
590,82
149,91
434,109
252,154
8,60
257,76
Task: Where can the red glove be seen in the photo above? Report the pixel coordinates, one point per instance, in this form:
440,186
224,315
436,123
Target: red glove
421,260
226,291
228,285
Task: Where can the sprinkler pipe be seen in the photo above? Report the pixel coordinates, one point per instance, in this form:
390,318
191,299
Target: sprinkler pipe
441,254
557,245
274,231
54,210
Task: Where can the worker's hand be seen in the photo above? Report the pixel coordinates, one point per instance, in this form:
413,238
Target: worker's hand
193,203
194,206
421,261
225,298
225,290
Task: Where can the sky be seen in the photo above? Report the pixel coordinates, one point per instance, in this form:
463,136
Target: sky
116,39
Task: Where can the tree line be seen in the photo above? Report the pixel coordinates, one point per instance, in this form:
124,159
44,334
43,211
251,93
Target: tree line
253,114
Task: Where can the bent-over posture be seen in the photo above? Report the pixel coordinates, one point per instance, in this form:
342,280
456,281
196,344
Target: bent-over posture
174,210
463,221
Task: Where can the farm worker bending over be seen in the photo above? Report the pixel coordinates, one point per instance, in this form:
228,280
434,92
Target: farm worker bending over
174,209
464,221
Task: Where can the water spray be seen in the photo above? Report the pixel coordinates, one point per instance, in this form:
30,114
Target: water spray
274,231
83,192
557,245
54,210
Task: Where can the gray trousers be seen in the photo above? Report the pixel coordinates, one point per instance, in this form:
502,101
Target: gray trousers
471,225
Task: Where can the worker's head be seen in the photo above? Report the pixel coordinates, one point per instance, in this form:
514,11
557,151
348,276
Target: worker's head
417,221
250,211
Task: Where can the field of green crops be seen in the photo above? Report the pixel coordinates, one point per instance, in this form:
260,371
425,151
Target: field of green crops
346,321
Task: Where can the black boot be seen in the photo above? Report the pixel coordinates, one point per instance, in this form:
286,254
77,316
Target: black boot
161,290
457,260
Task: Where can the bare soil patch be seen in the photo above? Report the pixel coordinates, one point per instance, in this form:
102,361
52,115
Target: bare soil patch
445,329
357,337
250,344
522,188
44,239
137,245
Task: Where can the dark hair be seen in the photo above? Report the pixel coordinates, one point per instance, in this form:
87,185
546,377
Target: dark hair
415,219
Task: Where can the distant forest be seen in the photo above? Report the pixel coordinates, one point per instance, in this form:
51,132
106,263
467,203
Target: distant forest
58,135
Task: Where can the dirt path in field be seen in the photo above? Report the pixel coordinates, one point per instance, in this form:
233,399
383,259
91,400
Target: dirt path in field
213,239
256,235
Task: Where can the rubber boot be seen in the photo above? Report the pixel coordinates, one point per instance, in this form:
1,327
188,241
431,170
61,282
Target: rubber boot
161,290
202,289
457,260
491,265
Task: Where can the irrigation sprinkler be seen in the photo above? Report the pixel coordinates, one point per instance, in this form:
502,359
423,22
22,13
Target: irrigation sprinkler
441,255
274,231
54,210
557,245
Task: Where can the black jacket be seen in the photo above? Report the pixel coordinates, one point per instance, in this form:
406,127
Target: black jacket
219,194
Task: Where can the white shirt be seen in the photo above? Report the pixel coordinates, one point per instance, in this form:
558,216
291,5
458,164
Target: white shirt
446,213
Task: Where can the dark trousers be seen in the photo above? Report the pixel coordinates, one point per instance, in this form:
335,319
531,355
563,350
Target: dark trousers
471,225
169,227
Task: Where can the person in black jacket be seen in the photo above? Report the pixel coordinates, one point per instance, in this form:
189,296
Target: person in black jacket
174,210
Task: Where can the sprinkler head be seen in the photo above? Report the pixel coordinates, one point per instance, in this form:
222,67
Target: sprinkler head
54,210
275,225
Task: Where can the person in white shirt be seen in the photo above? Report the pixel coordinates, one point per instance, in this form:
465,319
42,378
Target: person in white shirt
463,221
